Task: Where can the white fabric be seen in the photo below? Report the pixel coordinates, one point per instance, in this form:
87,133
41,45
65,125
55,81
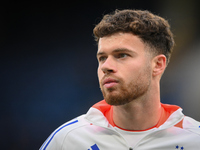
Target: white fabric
133,138
93,132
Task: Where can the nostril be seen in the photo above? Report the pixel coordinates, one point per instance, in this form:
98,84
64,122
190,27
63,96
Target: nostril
106,71
110,70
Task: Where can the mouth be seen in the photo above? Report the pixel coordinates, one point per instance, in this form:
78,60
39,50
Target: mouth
109,83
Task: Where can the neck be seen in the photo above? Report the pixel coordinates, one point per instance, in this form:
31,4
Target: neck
140,114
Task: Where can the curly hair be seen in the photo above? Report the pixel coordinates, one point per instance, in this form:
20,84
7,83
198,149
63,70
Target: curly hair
152,29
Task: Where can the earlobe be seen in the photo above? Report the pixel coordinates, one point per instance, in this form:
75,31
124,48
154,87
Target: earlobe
159,65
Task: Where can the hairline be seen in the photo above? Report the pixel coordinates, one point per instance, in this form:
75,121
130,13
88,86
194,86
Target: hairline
148,47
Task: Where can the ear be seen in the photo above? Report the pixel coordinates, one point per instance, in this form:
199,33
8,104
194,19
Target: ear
159,65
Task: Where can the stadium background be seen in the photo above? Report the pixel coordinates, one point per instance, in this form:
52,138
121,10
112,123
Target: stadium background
48,63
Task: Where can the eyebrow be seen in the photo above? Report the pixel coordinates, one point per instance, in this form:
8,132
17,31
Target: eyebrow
117,51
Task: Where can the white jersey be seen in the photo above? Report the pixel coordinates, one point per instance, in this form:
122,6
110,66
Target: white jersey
97,131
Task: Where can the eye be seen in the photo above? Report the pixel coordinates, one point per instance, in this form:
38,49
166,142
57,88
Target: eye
122,55
102,58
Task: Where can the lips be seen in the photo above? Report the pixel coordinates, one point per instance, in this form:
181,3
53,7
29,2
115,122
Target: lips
109,82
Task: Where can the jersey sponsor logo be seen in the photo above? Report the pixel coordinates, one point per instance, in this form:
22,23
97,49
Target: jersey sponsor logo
94,147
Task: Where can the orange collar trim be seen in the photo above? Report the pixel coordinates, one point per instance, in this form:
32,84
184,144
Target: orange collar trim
107,111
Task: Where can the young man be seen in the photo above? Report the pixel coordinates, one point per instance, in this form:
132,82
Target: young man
134,48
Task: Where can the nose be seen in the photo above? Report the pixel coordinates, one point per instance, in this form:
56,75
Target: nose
108,66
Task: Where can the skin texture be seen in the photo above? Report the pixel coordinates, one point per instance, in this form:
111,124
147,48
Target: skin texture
129,77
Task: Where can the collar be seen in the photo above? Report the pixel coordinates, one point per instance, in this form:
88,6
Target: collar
101,113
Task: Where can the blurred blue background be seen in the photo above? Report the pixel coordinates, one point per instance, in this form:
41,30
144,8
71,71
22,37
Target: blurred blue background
48,63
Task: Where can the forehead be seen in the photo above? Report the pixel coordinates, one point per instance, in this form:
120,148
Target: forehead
121,40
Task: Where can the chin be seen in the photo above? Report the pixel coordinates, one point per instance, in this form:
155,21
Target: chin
117,100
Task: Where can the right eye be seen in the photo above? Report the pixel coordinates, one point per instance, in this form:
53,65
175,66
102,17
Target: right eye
102,58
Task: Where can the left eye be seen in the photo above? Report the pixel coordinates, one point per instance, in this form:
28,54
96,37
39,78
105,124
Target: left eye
122,55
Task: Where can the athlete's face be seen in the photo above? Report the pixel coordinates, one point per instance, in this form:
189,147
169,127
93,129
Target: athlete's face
124,70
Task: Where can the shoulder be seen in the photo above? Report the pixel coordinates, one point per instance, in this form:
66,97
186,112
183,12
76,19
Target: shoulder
55,140
191,125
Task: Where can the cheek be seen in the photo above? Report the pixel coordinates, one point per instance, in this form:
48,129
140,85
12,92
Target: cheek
99,74
133,73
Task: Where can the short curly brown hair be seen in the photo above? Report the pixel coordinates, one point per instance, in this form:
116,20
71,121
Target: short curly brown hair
152,29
